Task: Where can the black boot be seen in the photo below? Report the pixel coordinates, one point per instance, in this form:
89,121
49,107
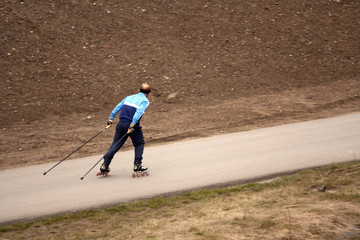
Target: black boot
104,168
139,168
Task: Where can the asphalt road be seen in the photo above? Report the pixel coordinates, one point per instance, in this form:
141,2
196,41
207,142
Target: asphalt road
220,160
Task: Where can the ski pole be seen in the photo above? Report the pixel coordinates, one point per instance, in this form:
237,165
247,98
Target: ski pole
104,156
76,149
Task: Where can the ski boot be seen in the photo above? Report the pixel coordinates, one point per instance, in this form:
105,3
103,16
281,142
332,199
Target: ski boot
104,170
140,170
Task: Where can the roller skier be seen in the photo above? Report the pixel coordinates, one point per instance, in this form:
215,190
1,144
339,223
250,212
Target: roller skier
131,110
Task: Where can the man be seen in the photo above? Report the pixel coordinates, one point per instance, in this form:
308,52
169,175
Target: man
132,108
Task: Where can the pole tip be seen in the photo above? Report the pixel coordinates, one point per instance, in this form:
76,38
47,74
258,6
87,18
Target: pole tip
44,173
82,178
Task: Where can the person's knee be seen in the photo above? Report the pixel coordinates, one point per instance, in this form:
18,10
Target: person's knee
138,140
139,143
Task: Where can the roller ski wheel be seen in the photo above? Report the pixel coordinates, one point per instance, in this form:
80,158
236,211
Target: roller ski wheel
102,174
140,171
140,174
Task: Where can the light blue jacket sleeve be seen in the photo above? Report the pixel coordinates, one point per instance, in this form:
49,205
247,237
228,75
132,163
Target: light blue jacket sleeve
140,111
117,109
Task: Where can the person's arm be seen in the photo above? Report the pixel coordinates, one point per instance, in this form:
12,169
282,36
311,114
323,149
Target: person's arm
117,109
140,111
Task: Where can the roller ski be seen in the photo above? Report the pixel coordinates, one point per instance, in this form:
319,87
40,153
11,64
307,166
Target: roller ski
140,171
104,170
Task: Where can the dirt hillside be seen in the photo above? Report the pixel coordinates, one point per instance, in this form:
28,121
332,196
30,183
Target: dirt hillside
215,67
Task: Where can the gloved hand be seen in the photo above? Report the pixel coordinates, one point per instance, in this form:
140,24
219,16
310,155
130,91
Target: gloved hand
109,123
131,128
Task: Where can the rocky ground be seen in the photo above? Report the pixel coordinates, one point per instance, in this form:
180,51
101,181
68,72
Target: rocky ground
214,66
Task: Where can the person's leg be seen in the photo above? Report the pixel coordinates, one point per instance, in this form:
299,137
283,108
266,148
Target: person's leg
121,130
139,144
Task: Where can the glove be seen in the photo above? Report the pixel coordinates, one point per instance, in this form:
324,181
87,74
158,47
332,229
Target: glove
109,123
131,128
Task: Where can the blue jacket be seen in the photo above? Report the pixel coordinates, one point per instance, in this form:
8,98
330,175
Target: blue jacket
132,108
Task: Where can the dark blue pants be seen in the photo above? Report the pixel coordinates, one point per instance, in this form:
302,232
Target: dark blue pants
137,139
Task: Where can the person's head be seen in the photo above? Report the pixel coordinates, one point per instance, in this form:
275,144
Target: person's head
145,88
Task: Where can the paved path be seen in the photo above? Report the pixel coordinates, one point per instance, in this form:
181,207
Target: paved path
25,193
